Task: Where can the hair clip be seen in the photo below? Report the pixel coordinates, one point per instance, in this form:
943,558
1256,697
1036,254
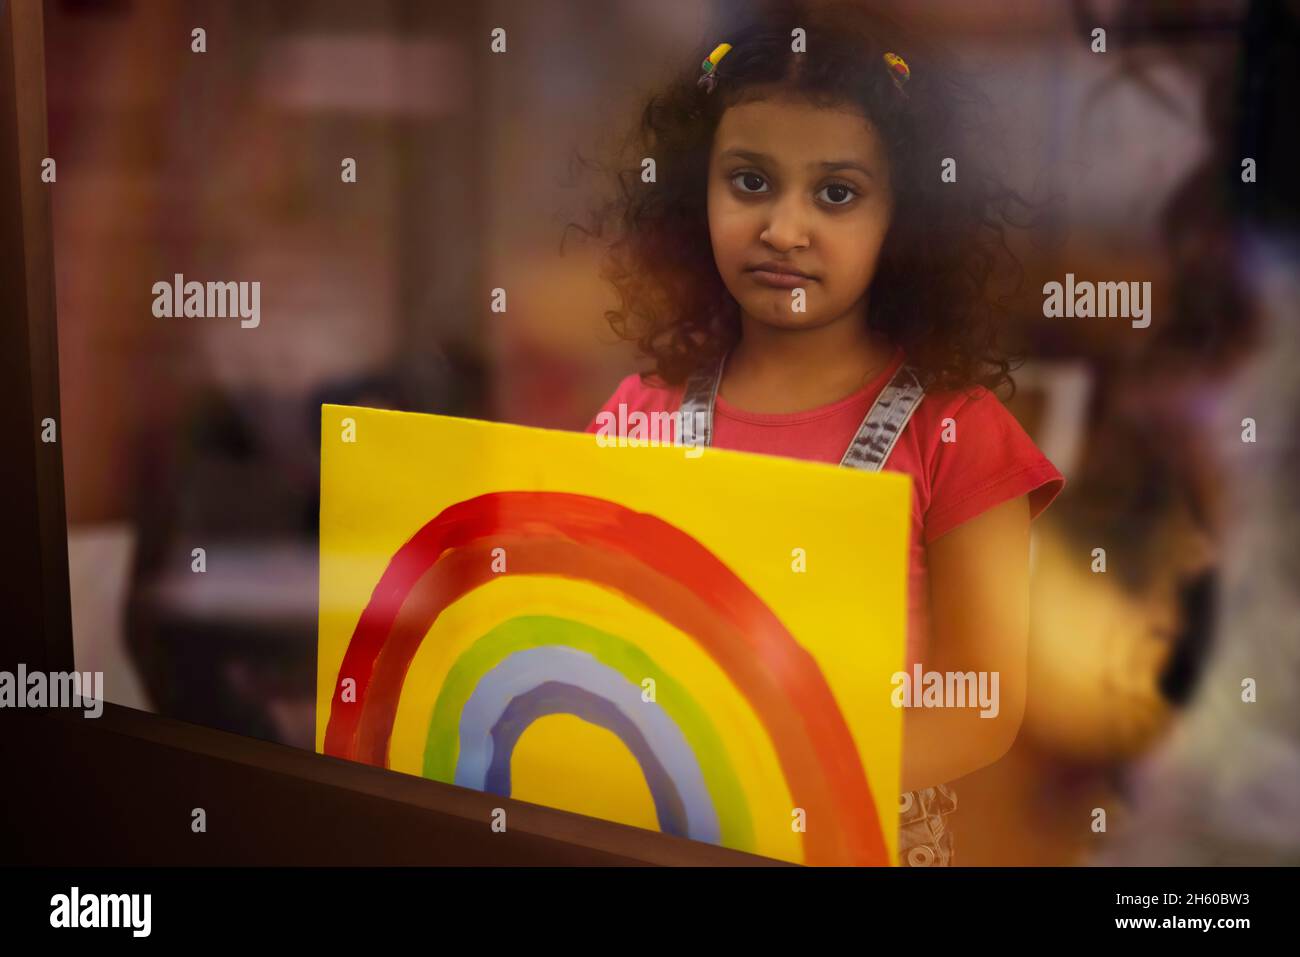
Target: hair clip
898,70
708,80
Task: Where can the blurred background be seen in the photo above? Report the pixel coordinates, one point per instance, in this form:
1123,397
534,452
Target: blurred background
225,165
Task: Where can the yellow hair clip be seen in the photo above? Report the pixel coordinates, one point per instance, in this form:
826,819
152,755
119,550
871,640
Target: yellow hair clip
707,79
898,70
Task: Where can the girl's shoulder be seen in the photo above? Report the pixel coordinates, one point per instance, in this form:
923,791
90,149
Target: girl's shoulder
975,454
976,405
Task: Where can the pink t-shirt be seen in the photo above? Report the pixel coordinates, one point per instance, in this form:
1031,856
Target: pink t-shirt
952,481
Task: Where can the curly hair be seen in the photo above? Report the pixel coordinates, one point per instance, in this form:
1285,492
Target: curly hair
933,293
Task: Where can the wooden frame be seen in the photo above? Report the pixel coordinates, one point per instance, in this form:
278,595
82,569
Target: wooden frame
120,789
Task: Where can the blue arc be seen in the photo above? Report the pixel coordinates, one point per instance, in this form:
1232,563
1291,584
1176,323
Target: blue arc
510,697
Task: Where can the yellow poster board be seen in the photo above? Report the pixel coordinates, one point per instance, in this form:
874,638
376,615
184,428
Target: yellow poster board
699,642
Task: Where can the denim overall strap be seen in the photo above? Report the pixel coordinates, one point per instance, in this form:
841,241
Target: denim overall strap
923,838
884,423
697,404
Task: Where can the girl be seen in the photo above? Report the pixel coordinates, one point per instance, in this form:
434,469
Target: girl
810,279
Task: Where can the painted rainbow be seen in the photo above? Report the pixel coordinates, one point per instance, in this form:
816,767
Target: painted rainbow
532,666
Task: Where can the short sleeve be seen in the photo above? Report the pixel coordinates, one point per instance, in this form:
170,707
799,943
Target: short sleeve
991,460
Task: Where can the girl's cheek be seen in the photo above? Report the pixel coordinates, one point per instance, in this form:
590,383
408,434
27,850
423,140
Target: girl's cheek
730,230
864,242
729,213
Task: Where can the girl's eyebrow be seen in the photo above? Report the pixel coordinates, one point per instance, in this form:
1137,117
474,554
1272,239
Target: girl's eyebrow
847,164
826,165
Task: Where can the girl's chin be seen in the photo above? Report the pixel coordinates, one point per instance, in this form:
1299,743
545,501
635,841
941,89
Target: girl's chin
780,315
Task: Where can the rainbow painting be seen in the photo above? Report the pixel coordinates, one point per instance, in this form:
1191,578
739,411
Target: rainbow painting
698,644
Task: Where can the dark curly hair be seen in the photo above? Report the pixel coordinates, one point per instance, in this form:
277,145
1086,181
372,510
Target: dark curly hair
933,291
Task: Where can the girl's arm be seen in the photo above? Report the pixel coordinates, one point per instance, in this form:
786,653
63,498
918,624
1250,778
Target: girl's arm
979,621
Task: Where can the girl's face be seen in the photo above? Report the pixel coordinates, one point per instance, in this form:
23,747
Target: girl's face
807,189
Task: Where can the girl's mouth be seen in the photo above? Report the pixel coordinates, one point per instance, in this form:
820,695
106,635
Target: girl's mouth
780,280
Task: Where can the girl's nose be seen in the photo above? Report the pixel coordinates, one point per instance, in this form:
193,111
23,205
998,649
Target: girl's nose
787,224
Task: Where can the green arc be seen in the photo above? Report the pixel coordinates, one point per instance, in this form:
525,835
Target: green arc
442,743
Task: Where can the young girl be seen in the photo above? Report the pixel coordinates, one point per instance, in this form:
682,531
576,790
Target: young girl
810,275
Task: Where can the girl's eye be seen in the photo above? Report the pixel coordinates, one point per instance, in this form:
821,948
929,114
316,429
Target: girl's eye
841,194
748,182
